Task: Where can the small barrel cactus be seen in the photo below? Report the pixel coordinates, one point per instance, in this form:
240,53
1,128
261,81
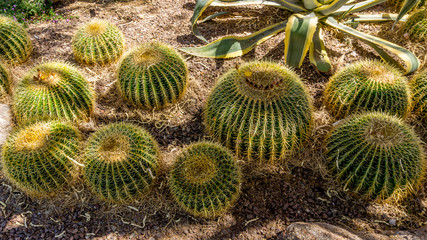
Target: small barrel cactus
38,158
15,43
53,91
419,86
368,86
261,111
121,162
205,179
4,80
98,42
152,75
416,25
376,155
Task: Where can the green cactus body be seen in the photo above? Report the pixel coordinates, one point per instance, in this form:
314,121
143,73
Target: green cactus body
152,76
205,179
398,4
4,80
376,155
419,86
53,91
15,42
261,111
38,158
368,86
416,25
98,42
121,162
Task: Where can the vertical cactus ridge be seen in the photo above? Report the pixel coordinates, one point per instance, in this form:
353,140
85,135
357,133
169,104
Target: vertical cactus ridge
15,42
368,86
5,81
38,158
121,162
98,42
419,88
416,25
262,111
376,156
53,90
152,75
205,179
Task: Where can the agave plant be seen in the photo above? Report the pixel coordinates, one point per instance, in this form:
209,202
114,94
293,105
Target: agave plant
304,31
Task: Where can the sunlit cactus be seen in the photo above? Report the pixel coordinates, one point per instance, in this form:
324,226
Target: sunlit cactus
152,75
4,80
368,86
15,43
205,179
261,111
121,162
419,86
376,156
416,25
38,158
53,90
98,42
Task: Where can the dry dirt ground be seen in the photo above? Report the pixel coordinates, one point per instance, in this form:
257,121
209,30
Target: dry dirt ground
271,198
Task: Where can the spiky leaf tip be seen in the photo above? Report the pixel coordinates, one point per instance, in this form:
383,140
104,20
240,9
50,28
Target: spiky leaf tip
419,88
416,25
15,42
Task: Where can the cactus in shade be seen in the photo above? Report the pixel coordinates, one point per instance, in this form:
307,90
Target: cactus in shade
261,111
152,75
53,91
205,179
368,86
4,80
121,162
38,158
98,42
419,87
15,43
376,155
416,25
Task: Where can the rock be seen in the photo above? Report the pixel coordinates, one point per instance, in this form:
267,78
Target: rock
318,231
5,123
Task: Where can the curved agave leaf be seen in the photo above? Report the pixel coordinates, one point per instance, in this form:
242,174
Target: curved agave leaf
200,7
385,17
291,5
411,61
318,55
311,4
330,8
357,7
407,6
232,46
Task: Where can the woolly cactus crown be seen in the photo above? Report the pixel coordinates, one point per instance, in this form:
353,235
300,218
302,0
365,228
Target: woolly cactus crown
15,43
416,25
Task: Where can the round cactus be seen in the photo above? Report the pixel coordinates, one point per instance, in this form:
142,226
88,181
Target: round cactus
261,111
368,86
4,80
98,42
376,155
121,162
15,43
205,180
419,86
38,158
53,91
152,76
416,25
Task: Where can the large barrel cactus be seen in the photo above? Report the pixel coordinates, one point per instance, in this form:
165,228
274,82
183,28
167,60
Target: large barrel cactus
15,43
121,162
152,75
419,86
205,179
98,42
376,155
4,80
416,25
261,111
367,86
38,158
53,90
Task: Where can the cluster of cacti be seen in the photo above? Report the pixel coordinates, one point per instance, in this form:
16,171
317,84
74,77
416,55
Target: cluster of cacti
376,155
368,86
121,161
38,158
98,42
416,25
53,90
205,179
4,80
15,43
419,88
261,110
152,75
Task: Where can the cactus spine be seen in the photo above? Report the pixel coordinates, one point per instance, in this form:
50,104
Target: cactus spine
205,179
416,25
4,80
419,86
261,111
15,42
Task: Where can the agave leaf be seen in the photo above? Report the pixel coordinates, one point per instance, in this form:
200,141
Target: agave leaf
318,55
407,6
291,5
213,16
357,7
232,46
330,8
411,61
311,4
385,17
200,7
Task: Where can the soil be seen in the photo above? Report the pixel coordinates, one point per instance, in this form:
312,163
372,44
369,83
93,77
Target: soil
272,196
